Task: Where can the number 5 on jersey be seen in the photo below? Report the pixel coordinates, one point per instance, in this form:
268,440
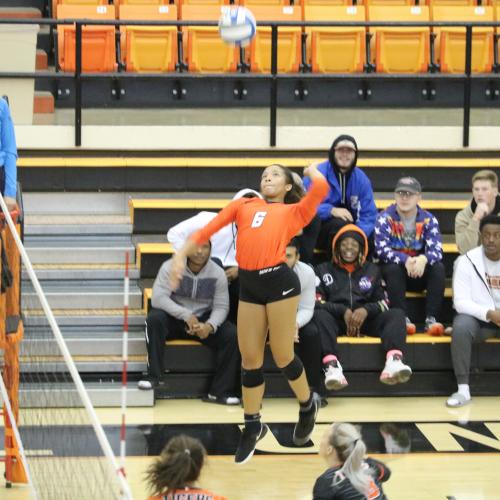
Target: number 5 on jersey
258,219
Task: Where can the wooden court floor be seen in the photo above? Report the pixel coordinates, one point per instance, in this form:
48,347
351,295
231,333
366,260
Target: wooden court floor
433,452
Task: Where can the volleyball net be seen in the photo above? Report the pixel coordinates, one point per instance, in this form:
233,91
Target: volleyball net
60,447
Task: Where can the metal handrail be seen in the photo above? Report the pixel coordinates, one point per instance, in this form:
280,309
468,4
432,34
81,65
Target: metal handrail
273,76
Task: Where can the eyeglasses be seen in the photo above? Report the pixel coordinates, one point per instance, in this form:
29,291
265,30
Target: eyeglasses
405,194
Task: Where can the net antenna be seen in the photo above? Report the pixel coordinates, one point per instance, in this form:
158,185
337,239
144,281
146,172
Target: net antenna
44,425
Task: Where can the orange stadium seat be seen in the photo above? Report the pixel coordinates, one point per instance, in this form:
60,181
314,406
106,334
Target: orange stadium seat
251,3
98,42
56,3
119,3
326,3
389,3
400,49
204,49
289,40
450,42
336,49
454,3
149,49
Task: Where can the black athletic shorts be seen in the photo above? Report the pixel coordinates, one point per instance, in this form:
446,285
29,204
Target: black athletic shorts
268,285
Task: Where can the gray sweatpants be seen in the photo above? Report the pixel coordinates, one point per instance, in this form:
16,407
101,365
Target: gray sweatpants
468,330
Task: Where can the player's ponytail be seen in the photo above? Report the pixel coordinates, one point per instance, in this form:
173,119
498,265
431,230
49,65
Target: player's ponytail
179,465
297,192
351,450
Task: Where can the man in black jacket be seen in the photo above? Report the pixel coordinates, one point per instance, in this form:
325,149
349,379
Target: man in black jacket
350,300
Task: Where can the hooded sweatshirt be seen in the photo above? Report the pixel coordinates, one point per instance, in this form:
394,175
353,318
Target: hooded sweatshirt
341,286
352,190
8,151
223,241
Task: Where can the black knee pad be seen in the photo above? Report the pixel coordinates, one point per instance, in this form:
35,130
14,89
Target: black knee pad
293,370
252,378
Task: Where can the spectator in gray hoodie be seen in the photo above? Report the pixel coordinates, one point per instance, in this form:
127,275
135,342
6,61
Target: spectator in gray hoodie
197,310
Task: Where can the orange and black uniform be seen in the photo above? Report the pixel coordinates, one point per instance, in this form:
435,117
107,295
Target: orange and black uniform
189,494
264,230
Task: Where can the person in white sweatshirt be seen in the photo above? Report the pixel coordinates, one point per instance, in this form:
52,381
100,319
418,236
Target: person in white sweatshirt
476,298
307,339
223,245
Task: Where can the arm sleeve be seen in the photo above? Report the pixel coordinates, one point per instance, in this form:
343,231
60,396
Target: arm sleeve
433,245
9,148
306,208
379,302
220,307
463,301
307,298
383,242
178,234
368,210
161,298
337,310
466,233
223,218
383,473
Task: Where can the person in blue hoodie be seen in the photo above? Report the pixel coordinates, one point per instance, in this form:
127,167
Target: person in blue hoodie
350,199
8,156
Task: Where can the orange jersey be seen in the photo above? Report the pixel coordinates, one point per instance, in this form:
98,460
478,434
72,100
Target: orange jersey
264,229
189,494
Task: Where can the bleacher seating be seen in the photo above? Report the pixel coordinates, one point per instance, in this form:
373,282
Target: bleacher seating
450,42
98,42
289,44
149,48
335,49
204,49
404,49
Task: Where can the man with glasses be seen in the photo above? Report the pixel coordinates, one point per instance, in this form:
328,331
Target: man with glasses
408,244
349,201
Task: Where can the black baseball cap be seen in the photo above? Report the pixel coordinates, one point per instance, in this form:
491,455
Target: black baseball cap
409,184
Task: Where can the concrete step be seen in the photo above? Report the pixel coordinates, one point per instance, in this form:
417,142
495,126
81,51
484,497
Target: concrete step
71,250
105,294
64,395
91,318
84,364
50,224
82,272
83,341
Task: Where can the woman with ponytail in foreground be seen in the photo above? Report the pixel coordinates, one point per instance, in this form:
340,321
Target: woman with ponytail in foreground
174,474
350,475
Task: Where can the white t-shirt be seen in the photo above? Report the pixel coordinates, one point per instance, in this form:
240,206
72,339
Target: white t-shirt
492,269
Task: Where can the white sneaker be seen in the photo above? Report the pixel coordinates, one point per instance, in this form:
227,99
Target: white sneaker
334,376
145,385
395,371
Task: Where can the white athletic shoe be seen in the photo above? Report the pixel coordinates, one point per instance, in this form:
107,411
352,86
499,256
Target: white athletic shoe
395,371
334,376
145,385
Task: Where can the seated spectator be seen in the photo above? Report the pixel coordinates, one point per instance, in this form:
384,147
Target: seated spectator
476,298
350,200
408,244
174,474
350,474
197,309
307,343
223,246
351,301
8,156
485,201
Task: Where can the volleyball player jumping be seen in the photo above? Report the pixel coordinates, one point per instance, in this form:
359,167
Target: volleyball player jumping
269,292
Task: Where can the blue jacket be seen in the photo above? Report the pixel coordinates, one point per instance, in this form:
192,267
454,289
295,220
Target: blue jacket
359,197
8,150
390,244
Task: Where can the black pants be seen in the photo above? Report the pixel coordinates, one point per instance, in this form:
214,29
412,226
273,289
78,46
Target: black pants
320,235
308,350
398,282
160,327
389,325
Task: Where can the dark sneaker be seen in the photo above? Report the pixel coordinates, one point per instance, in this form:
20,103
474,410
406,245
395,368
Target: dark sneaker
307,419
247,444
222,400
